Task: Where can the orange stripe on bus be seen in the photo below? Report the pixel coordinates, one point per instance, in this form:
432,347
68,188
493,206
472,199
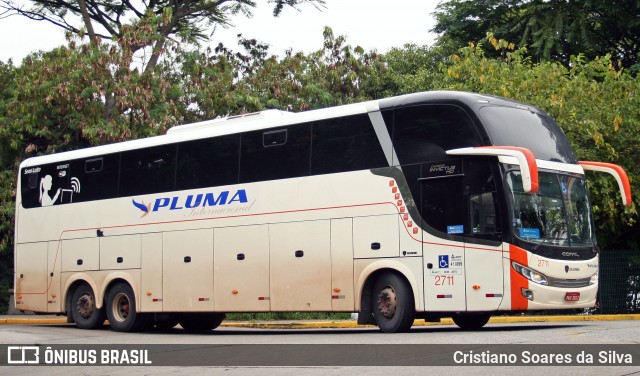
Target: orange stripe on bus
518,282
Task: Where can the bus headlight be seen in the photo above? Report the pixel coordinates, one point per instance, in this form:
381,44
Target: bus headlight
594,279
530,274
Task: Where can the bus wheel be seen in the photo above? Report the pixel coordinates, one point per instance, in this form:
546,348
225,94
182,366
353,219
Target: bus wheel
121,309
393,305
471,321
164,321
201,322
83,308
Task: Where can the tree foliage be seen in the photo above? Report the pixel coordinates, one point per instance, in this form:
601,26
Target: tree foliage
553,30
188,21
595,103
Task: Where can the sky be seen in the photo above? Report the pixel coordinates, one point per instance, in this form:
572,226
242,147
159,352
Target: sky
371,24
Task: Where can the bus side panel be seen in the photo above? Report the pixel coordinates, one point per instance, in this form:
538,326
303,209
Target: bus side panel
187,262
300,266
120,252
444,280
31,277
151,273
241,273
342,297
54,271
80,255
376,236
484,277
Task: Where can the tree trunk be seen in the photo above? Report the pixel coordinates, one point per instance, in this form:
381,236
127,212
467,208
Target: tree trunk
87,22
155,55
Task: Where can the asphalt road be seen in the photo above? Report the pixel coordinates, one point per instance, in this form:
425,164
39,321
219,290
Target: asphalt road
571,334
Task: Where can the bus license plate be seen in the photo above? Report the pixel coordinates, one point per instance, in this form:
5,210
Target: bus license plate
572,297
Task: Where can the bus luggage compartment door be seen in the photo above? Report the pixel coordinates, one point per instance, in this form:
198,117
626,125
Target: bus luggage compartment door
187,264
241,268
300,260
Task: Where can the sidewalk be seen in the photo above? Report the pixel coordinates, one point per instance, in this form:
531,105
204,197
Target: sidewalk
317,324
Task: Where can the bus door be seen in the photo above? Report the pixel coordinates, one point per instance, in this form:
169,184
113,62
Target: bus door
483,243
443,250
463,249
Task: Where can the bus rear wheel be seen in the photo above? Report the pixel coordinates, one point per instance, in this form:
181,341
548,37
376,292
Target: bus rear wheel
121,309
393,305
165,321
471,321
84,311
201,322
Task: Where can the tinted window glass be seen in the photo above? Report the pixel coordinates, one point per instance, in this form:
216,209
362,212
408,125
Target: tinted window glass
520,127
345,144
274,138
462,202
147,171
442,206
424,133
481,197
208,163
95,178
280,154
46,185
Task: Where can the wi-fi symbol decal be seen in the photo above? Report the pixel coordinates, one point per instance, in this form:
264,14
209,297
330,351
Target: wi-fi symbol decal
75,184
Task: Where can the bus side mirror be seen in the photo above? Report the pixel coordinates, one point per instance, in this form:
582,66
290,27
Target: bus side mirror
523,157
617,172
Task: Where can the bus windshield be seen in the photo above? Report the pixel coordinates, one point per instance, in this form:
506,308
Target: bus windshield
558,214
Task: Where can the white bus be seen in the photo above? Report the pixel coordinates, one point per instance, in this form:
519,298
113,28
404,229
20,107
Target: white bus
429,205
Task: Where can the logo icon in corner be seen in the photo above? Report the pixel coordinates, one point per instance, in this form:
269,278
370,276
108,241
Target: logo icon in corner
566,268
144,208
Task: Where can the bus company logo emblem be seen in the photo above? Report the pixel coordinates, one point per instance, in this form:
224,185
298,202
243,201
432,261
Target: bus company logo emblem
570,254
193,201
566,268
144,208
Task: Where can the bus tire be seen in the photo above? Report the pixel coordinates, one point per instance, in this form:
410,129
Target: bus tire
83,308
392,303
201,322
471,321
121,309
164,321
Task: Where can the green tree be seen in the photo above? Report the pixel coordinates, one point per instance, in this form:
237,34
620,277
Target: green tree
595,103
163,20
222,82
554,30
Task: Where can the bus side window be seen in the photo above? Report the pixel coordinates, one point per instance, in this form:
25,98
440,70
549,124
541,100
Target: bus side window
345,144
424,133
30,187
480,191
147,171
95,178
275,154
209,162
442,207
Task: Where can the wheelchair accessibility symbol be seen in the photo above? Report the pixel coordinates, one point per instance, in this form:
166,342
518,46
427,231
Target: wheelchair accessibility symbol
443,261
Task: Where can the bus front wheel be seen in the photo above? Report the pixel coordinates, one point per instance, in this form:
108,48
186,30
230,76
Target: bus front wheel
121,309
393,305
83,307
471,321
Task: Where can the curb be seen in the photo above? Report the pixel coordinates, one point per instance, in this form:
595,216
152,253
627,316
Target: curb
349,323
